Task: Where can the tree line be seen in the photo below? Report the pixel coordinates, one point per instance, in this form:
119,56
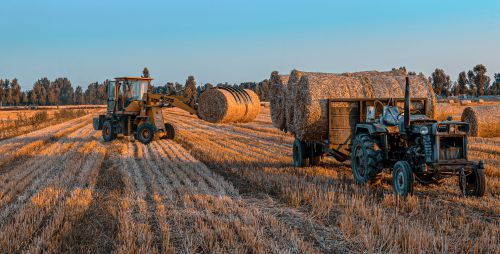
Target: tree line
46,92
474,82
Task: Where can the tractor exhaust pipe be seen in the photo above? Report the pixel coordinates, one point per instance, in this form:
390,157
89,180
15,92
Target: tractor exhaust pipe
407,105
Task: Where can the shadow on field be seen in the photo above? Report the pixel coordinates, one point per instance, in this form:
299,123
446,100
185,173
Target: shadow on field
96,231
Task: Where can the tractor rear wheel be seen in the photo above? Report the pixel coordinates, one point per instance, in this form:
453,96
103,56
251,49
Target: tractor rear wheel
366,160
475,183
170,131
146,133
300,154
402,178
107,131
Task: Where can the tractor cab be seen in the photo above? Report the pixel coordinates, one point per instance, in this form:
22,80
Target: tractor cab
125,94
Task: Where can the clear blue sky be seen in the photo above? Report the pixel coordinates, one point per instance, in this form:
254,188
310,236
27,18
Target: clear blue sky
238,41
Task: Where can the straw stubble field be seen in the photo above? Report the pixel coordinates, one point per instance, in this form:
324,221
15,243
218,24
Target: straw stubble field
221,188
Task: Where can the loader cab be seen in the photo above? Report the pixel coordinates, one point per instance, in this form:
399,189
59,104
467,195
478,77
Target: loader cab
125,93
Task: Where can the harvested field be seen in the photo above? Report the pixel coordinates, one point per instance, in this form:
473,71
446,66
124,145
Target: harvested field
220,188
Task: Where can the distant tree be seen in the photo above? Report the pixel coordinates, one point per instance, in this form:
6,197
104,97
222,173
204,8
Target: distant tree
170,88
190,90
471,83
15,92
65,91
38,93
455,89
78,97
264,90
101,94
1,93
496,84
145,72
7,93
178,87
25,98
462,83
440,82
481,80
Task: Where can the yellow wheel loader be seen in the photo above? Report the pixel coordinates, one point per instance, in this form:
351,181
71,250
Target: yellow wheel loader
133,110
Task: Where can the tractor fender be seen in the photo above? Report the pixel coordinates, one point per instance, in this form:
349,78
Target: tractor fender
370,128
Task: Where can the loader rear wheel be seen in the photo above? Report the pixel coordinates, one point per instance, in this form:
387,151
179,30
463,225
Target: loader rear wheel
475,183
170,131
402,178
366,160
107,131
317,155
146,133
300,154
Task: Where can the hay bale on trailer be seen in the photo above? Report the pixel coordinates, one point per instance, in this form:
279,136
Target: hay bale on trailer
277,99
290,99
310,121
224,105
484,120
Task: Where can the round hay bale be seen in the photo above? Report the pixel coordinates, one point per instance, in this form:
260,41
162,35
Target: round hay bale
451,102
220,106
484,120
277,99
252,107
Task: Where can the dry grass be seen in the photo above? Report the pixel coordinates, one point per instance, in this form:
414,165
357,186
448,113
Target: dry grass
222,189
256,159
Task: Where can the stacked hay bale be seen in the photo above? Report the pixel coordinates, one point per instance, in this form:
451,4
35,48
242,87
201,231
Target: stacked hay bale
307,95
219,105
484,120
277,99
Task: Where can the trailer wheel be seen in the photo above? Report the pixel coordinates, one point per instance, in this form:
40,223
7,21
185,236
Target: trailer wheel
169,128
475,183
402,178
366,160
146,133
300,154
107,131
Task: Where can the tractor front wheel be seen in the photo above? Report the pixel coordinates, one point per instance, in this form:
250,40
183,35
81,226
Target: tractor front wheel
402,178
107,131
146,133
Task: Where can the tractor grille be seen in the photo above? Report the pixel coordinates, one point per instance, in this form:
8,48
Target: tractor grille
428,148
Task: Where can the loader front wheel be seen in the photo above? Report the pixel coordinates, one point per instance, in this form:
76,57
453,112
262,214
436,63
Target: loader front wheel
107,131
146,133
170,131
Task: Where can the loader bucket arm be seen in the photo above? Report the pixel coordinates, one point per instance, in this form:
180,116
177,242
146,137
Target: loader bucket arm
171,101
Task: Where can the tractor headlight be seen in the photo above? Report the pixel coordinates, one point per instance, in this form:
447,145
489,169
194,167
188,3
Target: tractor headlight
424,130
